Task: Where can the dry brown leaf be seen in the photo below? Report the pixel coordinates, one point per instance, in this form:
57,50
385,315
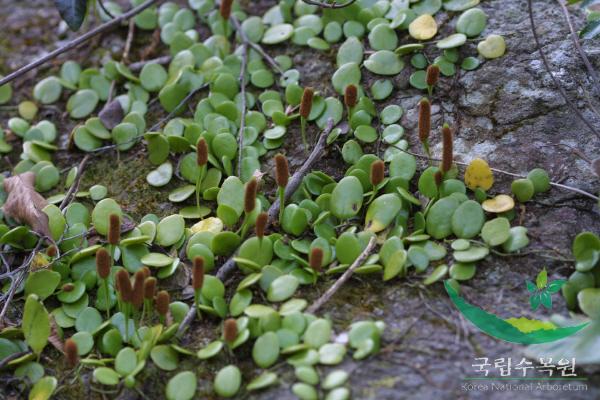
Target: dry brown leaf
54,337
24,204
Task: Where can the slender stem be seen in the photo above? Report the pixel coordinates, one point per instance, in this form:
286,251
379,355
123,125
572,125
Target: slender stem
126,313
198,181
196,302
303,131
76,42
106,297
245,226
281,191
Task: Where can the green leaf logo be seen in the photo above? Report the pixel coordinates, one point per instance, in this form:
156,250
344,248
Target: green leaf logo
542,279
542,290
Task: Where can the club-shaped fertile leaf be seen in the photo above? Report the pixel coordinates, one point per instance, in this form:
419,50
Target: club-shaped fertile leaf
36,324
72,12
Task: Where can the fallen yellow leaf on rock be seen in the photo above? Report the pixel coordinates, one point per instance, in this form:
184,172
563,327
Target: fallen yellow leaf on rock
499,204
479,175
423,27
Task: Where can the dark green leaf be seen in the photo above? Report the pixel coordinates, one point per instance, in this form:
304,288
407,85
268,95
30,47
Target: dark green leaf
591,30
554,286
534,301
546,299
72,12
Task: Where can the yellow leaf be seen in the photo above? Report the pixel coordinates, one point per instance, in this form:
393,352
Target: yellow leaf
39,261
499,204
479,175
423,27
212,224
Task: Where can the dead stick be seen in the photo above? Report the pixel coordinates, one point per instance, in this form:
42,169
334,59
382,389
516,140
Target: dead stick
76,42
342,279
128,41
75,186
136,66
333,4
296,179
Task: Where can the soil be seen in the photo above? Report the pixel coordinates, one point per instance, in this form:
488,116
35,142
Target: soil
508,112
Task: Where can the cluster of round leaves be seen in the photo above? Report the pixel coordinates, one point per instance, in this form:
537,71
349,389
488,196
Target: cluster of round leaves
278,263
303,339
582,288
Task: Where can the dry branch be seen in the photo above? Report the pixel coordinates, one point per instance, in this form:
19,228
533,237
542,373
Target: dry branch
333,4
76,42
344,278
75,186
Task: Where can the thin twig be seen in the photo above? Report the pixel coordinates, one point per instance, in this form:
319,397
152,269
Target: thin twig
267,57
136,66
128,41
575,38
178,108
75,186
500,171
256,47
76,42
554,79
296,179
329,5
344,278
15,283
